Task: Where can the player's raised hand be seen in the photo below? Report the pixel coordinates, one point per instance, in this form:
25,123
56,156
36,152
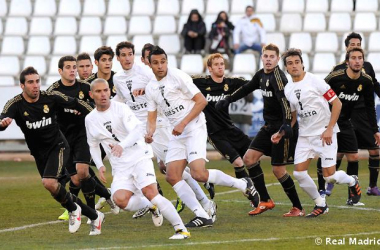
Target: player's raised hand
276,137
326,137
116,150
102,176
377,138
138,92
5,122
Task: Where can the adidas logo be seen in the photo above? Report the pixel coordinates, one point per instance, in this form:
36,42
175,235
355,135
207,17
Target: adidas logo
198,222
208,88
342,87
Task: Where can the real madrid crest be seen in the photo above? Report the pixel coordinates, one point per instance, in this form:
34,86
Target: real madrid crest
114,89
360,87
81,95
267,83
46,109
225,87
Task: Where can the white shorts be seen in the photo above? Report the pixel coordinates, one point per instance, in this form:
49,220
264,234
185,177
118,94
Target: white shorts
310,146
190,146
160,143
133,179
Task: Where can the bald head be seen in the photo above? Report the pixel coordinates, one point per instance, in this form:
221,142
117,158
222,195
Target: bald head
97,81
100,93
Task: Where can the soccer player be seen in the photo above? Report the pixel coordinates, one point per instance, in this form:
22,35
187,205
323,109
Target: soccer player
349,85
115,126
271,81
73,127
309,97
147,48
173,93
35,113
84,66
360,122
130,83
103,59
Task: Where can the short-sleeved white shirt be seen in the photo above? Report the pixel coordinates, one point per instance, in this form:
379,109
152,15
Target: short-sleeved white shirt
172,96
310,98
113,126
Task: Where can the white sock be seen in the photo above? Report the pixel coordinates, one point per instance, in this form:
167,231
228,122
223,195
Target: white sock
307,184
201,196
187,195
137,202
219,178
168,211
342,178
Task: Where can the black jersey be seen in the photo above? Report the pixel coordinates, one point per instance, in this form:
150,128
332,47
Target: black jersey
110,82
71,124
38,120
276,106
213,92
349,90
368,69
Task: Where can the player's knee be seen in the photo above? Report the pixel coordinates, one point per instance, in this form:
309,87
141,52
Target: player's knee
172,179
299,175
75,180
330,179
199,175
150,191
82,170
279,171
120,201
50,184
352,157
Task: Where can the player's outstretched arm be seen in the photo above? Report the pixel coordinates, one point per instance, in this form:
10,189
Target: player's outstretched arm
5,122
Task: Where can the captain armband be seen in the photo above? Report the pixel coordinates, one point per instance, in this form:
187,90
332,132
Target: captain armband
329,95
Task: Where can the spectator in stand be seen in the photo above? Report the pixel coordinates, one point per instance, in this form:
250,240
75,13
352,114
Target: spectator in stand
194,31
249,33
220,34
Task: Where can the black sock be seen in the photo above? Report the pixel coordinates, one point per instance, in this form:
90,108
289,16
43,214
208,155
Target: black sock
257,176
88,188
290,190
373,166
353,168
86,210
74,189
63,197
93,175
240,172
321,181
338,162
159,188
102,191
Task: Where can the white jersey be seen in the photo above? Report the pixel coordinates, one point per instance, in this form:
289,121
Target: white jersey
172,96
310,98
126,81
112,127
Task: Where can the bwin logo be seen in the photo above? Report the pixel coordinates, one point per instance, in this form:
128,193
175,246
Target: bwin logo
217,98
347,97
38,124
266,93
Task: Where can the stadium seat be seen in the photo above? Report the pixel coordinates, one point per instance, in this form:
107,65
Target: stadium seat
116,66
216,6
90,26
209,20
245,76
45,8
65,45
374,58
373,44
3,8
278,39
16,26
172,61
140,40
170,43
244,64
343,48
7,81
314,22
306,61
69,8
293,6
268,21
143,7
139,25
188,5
112,41
291,23
340,22
9,66
41,26
118,8
366,6
301,41
342,57
89,44
342,5
65,26
20,8
238,6
1,27
39,45
53,66
38,62
168,7
317,6
323,62
266,6
192,64
164,25
365,22
94,8
50,79
115,25
12,45
326,42
182,20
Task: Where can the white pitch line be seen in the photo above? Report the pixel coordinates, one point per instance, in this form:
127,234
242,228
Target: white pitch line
182,244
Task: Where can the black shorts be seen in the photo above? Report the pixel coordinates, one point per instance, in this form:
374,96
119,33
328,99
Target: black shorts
363,132
231,143
51,165
347,142
79,153
281,153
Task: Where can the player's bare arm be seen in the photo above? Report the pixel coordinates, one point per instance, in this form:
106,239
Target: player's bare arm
151,126
326,136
